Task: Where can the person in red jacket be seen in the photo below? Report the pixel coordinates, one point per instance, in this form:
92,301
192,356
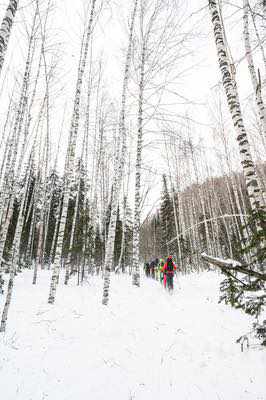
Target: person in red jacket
169,270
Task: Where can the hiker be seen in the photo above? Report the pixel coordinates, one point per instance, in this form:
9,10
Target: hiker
152,269
169,270
147,269
161,273
157,272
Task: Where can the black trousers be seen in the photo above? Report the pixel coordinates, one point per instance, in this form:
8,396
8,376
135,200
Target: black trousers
170,281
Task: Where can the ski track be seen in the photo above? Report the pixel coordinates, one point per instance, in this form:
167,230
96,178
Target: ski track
146,344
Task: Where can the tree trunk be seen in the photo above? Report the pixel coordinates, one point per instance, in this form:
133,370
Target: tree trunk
71,156
137,210
5,29
119,176
251,66
230,87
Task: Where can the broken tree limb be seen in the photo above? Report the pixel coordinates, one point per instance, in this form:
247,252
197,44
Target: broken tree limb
233,266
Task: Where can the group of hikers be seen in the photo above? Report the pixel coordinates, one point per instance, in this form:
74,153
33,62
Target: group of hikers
162,271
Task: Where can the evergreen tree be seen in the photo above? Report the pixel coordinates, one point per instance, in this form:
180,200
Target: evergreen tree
243,289
55,194
166,219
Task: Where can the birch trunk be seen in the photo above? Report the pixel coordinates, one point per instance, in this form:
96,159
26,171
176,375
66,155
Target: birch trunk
8,120
230,87
137,210
123,236
7,197
258,35
251,66
69,259
8,300
5,29
119,175
71,156
10,180
15,253
98,149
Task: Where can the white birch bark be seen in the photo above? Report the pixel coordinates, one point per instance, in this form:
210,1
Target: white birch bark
9,120
137,210
7,301
7,196
74,222
141,86
5,29
251,66
119,176
39,225
261,35
71,156
230,88
123,235
28,251
10,180
95,189
15,252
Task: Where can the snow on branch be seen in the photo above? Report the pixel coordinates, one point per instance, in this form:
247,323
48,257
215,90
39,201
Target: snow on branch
232,265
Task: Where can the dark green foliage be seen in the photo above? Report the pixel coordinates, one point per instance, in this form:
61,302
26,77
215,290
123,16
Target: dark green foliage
256,246
243,290
166,219
230,292
260,331
241,293
55,200
79,249
11,231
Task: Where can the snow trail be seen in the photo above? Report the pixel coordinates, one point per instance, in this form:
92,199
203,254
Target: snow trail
146,344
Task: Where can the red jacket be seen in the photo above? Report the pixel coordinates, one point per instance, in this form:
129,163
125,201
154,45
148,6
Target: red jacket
165,270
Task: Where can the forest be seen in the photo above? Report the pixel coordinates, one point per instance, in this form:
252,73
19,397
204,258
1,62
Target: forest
132,131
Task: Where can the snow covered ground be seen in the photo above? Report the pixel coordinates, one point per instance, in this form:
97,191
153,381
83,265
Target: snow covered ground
146,345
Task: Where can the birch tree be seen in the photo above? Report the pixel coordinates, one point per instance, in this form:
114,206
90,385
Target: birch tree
256,82
120,163
5,29
71,156
227,69
137,210
15,249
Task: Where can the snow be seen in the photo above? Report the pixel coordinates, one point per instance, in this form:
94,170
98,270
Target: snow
226,262
256,294
147,344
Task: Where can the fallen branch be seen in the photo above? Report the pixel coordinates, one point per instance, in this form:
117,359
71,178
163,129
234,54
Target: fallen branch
232,265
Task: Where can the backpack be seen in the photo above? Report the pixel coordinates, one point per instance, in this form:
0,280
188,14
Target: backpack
170,266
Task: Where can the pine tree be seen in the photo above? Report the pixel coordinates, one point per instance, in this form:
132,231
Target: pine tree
166,218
